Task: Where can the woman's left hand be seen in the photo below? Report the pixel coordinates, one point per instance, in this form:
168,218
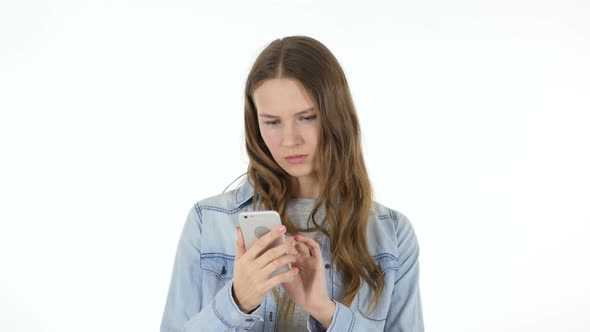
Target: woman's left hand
308,288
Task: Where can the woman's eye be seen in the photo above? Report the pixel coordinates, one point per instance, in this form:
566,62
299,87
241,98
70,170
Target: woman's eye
275,123
272,123
309,118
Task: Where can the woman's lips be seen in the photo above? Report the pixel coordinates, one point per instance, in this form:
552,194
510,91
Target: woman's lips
296,159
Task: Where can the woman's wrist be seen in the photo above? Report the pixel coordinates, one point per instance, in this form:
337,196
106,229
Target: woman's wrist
324,313
245,309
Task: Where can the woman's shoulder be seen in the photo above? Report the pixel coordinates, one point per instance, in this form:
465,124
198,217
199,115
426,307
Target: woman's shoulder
228,201
385,213
389,226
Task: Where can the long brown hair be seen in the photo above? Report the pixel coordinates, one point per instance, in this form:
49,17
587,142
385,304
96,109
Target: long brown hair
345,190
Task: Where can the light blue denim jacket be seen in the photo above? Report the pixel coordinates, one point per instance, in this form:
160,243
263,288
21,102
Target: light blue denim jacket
200,296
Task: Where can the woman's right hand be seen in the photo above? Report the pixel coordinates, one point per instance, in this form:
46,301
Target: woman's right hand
253,271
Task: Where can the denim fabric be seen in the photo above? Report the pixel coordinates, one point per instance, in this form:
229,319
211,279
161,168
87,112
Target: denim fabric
200,296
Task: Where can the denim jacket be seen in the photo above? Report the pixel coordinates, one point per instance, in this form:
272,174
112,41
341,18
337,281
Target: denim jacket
200,296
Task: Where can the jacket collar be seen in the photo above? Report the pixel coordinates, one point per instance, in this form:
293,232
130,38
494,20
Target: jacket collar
244,193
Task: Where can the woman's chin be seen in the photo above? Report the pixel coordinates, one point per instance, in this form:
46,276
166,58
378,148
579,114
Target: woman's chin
300,172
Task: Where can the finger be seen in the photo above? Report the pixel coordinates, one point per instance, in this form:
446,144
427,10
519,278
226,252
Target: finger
293,252
263,242
314,247
303,249
281,278
277,264
275,253
240,246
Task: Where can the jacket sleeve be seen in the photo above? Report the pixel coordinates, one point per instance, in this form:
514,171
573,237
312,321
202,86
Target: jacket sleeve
405,309
185,310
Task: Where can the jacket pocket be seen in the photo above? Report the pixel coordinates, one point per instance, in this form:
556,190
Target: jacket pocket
218,265
389,266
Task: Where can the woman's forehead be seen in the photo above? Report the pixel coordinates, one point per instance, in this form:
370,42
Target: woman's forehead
282,97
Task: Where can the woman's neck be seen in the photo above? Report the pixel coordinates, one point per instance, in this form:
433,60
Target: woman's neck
305,187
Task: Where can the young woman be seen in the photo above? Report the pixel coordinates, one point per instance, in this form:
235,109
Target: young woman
354,261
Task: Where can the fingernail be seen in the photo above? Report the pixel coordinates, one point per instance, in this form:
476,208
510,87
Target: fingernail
282,229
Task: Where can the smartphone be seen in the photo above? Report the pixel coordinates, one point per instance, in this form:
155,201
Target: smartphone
256,224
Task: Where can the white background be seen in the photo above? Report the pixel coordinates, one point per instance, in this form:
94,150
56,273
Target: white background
117,116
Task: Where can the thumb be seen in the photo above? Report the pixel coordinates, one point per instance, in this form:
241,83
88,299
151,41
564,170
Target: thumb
240,246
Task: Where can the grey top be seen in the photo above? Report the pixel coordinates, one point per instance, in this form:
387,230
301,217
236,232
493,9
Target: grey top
298,210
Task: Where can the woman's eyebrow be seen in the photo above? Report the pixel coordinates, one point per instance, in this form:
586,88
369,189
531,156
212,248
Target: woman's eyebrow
276,117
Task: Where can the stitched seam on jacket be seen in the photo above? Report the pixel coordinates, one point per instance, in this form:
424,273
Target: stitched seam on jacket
353,321
219,316
217,255
384,254
198,209
393,217
218,209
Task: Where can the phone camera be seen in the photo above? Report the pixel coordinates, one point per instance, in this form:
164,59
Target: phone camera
245,217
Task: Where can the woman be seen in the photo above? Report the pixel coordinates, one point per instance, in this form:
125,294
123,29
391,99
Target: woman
354,261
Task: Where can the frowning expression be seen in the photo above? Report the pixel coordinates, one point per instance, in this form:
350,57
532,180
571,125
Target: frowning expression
289,124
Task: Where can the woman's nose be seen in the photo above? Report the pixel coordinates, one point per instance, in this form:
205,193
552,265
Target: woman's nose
291,136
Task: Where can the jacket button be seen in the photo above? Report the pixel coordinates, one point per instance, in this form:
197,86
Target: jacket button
249,319
327,266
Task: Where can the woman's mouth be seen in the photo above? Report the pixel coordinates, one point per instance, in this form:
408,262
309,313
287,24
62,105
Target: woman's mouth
295,159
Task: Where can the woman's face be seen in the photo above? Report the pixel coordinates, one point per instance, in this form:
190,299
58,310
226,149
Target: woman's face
289,125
